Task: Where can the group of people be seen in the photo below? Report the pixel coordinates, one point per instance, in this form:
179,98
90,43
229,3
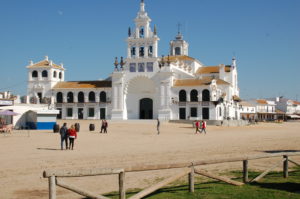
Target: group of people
104,126
68,136
200,126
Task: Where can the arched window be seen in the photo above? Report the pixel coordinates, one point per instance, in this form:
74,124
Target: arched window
92,97
81,97
194,96
182,96
54,74
59,97
177,51
44,73
150,51
142,32
60,75
70,97
34,73
103,96
133,51
205,95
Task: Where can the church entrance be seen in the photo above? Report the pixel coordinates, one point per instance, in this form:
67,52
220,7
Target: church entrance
146,108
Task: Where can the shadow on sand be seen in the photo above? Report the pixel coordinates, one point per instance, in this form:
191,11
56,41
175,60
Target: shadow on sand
280,151
48,149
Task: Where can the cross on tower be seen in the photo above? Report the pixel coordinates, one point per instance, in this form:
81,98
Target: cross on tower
179,26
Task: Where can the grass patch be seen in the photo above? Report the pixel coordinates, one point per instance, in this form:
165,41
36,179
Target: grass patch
272,186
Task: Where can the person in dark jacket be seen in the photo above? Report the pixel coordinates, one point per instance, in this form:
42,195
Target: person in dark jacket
105,126
158,126
63,136
102,126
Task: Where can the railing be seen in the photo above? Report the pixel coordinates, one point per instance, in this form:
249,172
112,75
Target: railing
81,103
187,169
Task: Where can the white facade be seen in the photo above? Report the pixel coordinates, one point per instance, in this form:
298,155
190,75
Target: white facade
94,103
146,86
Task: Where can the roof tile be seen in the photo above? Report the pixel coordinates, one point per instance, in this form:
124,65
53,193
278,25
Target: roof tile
83,84
197,82
45,63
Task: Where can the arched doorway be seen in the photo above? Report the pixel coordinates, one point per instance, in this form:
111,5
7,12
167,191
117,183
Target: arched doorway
138,90
146,108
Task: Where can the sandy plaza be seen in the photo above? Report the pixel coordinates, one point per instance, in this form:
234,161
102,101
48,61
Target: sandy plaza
26,154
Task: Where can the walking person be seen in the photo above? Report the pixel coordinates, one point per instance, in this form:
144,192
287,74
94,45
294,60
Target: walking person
158,125
105,126
102,126
203,127
72,136
63,136
197,124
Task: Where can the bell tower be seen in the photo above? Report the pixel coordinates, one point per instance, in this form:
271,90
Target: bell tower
142,42
42,77
140,65
179,46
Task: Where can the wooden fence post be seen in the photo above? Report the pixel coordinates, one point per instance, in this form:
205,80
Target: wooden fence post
286,166
245,171
52,187
122,193
192,179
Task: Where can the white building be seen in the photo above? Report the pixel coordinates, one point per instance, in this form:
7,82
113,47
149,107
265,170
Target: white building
26,115
247,110
144,85
265,109
290,107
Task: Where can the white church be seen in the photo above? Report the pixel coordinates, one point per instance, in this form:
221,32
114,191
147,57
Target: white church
143,85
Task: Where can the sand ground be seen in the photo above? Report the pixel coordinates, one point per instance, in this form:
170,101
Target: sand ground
26,154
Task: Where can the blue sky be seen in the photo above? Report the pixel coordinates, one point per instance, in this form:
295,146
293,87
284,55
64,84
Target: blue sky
86,35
